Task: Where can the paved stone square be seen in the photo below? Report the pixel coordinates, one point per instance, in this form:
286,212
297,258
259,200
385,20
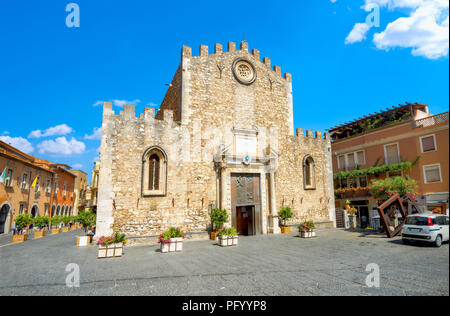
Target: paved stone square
334,263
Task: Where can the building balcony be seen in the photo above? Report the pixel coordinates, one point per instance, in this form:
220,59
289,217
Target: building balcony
431,120
348,193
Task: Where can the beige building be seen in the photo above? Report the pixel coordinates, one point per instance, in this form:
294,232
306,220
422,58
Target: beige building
223,137
79,191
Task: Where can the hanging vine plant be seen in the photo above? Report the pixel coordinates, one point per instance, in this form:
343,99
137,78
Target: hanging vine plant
406,165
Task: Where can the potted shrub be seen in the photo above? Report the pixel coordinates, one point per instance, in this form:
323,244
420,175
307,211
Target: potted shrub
285,214
22,221
176,239
65,220
347,205
86,219
40,222
171,240
307,229
55,222
233,236
112,246
218,218
352,217
223,237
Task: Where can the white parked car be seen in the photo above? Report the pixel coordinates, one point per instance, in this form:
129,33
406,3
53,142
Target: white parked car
426,227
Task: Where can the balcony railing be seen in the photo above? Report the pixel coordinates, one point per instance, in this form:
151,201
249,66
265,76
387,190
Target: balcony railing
432,120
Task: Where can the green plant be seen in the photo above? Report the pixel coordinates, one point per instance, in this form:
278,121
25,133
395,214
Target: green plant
306,226
232,231
55,220
384,189
352,211
285,214
23,220
218,217
119,238
172,232
351,174
40,221
87,219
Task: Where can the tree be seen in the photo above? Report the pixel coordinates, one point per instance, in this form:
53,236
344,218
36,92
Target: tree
87,219
285,214
218,217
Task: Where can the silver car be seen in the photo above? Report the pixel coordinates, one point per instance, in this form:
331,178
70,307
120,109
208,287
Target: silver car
427,227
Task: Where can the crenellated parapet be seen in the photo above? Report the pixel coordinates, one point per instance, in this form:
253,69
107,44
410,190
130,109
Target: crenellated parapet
186,52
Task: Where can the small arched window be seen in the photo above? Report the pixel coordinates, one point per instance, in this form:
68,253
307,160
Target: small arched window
309,173
153,182
154,175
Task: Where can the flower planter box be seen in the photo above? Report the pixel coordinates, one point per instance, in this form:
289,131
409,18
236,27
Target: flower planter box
223,241
175,245
285,229
228,241
56,231
65,229
361,193
110,251
39,234
73,227
20,238
83,241
307,234
348,194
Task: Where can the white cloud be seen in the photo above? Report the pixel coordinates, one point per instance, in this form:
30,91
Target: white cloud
19,142
334,1
358,33
151,104
61,146
77,166
121,103
62,129
425,29
97,134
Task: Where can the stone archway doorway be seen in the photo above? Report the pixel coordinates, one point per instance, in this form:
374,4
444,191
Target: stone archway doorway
35,211
4,215
246,203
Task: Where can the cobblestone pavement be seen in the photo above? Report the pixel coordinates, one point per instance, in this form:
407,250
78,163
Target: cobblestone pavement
334,263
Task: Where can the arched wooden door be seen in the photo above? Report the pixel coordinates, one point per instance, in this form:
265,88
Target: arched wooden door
4,211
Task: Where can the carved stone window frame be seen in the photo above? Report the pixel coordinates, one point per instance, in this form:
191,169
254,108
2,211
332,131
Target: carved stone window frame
239,78
162,191
311,186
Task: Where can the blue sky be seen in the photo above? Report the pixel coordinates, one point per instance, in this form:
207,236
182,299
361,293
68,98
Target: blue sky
51,75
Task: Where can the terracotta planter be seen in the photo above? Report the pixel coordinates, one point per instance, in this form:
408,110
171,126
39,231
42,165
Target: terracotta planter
223,241
285,229
39,234
20,238
110,251
56,231
65,229
73,227
214,235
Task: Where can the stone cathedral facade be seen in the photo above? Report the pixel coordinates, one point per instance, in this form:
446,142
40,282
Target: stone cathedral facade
223,137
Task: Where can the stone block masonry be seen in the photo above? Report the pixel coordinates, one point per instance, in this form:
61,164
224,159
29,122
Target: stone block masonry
224,114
